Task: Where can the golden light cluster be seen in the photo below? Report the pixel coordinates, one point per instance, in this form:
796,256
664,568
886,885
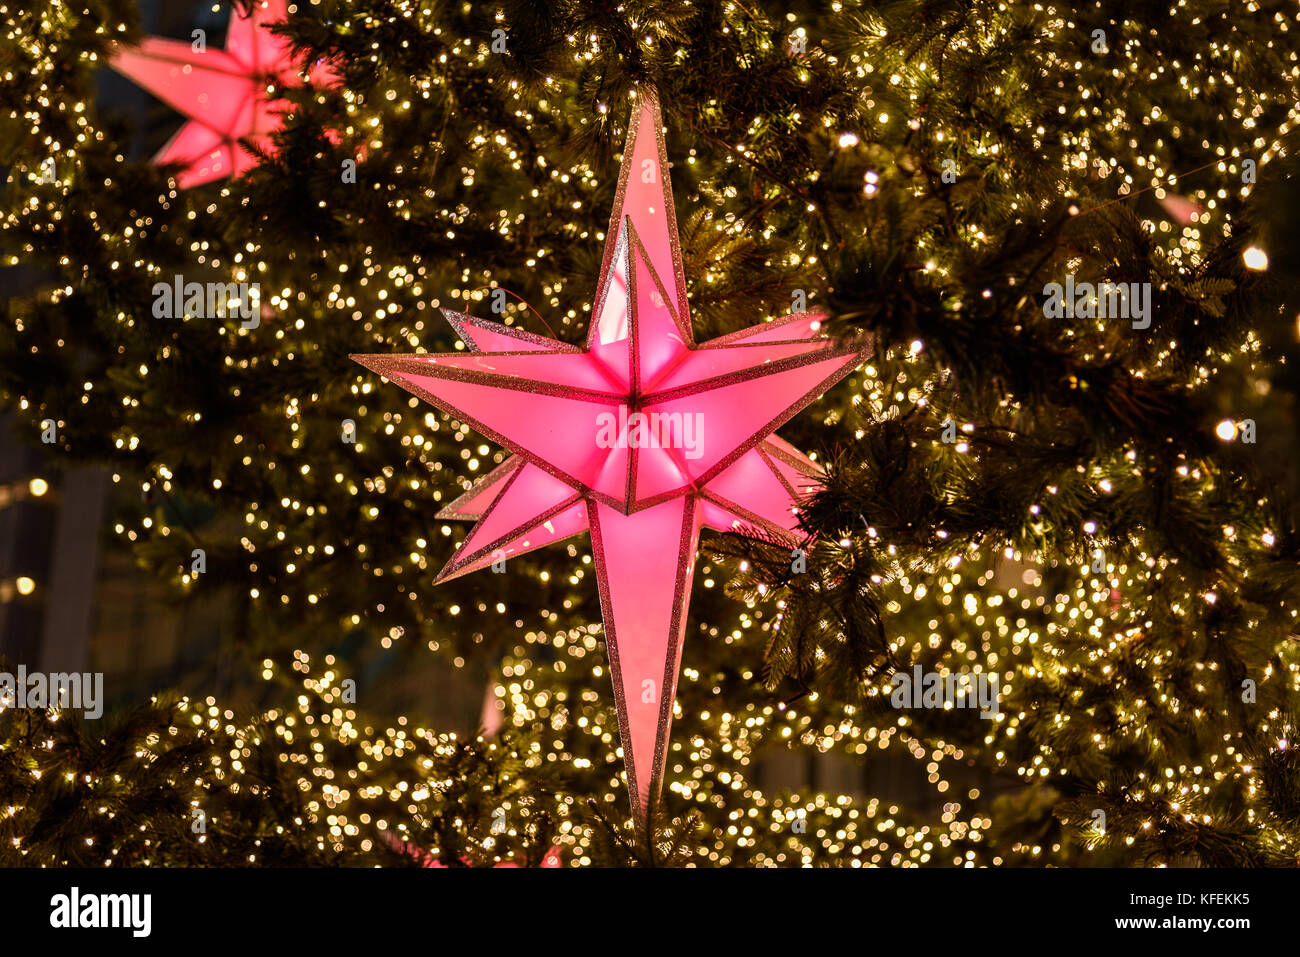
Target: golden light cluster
307,501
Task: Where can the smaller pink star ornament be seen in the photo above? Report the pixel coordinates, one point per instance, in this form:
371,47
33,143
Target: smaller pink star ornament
642,438
223,92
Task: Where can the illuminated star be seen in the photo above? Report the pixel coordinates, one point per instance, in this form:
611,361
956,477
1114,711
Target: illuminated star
641,438
223,92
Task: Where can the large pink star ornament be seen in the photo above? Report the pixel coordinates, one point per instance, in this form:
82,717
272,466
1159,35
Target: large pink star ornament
223,92
642,438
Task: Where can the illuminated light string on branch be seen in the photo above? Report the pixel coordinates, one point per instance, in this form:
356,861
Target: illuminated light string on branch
522,301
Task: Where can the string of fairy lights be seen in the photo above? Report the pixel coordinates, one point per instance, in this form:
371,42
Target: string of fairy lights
980,610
